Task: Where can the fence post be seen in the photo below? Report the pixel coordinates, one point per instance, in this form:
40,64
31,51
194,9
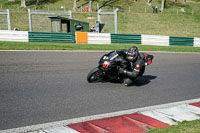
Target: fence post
99,18
70,14
8,19
29,20
116,20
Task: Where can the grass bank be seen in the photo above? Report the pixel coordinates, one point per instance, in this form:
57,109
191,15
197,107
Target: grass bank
73,46
184,127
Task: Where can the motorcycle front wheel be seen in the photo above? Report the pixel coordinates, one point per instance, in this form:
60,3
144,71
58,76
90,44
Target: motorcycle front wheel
94,75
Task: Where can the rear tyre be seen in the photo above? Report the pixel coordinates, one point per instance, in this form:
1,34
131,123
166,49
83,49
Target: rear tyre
94,75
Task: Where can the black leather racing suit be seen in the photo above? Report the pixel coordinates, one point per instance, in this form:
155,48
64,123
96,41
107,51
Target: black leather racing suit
131,70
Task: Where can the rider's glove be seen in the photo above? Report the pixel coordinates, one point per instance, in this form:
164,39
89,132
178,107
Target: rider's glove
121,71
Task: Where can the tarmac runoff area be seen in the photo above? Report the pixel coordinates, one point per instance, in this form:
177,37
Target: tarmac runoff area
134,120
138,120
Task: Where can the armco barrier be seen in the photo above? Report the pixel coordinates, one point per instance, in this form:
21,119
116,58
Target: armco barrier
155,40
14,36
51,37
126,38
182,41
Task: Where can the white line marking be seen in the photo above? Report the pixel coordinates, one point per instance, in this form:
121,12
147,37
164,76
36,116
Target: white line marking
94,117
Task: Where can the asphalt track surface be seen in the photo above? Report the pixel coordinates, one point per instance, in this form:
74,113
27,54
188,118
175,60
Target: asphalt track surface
38,87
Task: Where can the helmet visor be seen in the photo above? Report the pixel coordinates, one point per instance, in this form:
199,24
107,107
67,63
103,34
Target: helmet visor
131,56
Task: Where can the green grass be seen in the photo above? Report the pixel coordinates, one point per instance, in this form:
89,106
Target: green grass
72,46
184,127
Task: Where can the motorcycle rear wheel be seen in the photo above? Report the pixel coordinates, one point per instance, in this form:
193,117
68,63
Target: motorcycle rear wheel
94,75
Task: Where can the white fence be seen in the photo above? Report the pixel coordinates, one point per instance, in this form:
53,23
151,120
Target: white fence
15,36
99,38
155,40
196,42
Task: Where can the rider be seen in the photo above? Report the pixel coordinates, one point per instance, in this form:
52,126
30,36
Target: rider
134,66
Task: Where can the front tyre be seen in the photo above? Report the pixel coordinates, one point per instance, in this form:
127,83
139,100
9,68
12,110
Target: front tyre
94,75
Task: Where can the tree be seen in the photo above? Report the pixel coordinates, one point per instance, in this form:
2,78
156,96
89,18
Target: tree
90,5
184,1
23,3
74,8
149,2
163,3
37,2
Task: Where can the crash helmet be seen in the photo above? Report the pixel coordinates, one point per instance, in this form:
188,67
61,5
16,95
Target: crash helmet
132,54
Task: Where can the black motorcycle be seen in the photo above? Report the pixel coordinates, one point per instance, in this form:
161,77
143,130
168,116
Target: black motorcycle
109,65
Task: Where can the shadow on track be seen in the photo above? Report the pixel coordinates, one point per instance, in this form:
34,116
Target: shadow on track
144,80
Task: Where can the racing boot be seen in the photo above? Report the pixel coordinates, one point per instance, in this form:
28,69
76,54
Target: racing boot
127,82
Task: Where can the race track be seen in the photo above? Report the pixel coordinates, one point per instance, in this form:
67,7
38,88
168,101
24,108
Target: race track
39,87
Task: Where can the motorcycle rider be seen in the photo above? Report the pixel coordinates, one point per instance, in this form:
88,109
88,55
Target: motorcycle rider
133,65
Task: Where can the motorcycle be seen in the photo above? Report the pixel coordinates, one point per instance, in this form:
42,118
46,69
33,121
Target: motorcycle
109,65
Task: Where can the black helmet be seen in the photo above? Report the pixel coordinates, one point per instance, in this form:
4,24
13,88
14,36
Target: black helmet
132,53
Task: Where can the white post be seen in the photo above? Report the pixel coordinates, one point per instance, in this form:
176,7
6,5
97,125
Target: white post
8,19
115,20
29,18
70,14
99,17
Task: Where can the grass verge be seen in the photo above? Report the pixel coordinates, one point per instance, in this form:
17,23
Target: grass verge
73,46
184,127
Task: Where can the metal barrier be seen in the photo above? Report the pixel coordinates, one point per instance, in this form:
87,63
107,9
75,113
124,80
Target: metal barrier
126,38
182,41
30,13
7,13
51,37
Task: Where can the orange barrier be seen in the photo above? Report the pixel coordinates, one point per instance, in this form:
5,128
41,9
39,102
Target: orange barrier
81,37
